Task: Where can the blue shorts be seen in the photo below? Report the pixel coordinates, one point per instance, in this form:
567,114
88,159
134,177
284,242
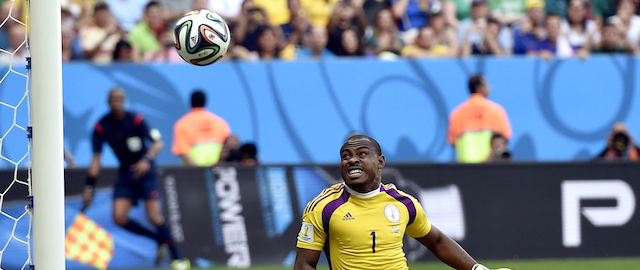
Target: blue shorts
145,187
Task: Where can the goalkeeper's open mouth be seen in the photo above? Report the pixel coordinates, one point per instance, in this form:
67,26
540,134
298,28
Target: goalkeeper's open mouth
355,172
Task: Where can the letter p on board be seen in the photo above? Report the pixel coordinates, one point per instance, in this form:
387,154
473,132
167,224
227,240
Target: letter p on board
574,191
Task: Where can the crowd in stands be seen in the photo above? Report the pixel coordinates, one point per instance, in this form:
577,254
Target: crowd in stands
104,31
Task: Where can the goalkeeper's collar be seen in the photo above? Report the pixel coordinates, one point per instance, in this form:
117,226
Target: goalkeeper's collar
361,194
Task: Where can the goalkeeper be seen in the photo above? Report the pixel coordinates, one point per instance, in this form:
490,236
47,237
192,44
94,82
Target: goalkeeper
127,133
360,223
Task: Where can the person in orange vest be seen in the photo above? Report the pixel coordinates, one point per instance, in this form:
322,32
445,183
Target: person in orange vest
472,123
199,135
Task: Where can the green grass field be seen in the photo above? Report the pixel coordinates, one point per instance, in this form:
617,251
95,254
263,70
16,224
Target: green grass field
555,264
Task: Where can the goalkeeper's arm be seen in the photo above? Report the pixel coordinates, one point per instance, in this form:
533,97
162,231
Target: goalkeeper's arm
448,251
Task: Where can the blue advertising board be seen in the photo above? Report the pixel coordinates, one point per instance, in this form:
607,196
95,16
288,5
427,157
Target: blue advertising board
300,112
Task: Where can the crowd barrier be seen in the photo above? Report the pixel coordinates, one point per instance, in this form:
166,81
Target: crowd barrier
300,112
241,216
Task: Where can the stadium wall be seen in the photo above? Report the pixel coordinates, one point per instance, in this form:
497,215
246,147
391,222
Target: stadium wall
501,211
240,216
300,112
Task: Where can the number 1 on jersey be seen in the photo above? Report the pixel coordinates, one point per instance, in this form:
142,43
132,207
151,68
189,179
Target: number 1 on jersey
373,245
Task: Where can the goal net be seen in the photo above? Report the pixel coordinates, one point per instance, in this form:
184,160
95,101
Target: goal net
15,208
31,182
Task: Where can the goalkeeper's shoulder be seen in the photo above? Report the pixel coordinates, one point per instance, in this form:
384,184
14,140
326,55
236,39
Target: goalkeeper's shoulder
327,195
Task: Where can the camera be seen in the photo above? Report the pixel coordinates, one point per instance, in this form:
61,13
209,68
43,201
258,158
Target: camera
502,153
620,142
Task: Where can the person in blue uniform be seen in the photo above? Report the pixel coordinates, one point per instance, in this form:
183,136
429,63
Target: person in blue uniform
128,134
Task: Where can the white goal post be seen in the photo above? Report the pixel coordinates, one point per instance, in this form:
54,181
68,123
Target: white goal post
47,171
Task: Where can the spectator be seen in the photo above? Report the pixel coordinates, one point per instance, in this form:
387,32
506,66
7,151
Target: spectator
238,52
603,9
17,43
385,37
371,8
620,145
5,8
488,45
473,122
100,36
249,24
350,44
123,52
444,35
346,16
167,52
276,10
295,30
249,153
206,4
173,10
627,21
508,12
233,151
424,45
316,45
499,149
127,12
556,7
144,36
411,15
554,44
70,49
229,9
577,27
84,11
320,11
270,47
456,11
69,13
479,17
612,41
198,136
531,30
20,10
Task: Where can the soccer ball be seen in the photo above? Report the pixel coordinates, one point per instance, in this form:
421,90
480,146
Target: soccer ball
201,37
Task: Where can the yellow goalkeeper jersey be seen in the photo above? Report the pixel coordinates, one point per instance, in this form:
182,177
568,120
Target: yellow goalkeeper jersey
362,231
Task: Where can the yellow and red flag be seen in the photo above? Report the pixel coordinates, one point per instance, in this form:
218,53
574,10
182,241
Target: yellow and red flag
88,243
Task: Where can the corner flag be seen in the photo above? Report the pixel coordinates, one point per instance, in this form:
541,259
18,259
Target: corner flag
88,243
